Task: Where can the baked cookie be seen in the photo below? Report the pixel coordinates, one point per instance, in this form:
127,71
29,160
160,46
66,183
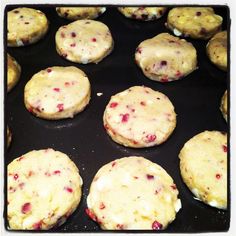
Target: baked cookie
79,13
13,72
166,58
57,93
84,41
25,26
143,13
217,50
139,117
223,105
44,189
9,137
203,166
133,193
194,22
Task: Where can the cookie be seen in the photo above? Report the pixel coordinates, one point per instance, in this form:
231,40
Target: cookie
166,58
133,193
143,13
44,189
194,22
79,13
57,93
217,50
13,72
223,105
25,26
139,117
9,137
203,166
84,41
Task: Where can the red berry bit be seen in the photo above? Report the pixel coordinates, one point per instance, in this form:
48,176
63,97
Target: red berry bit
94,40
225,148
218,176
178,73
67,84
64,55
139,50
135,177
49,70
91,214
125,118
56,172
73,45
149,176
68,189
163,63
37,225
102,206
113,164
73,34
143,103
60,107
30,173
198,13
164,78
16,176
63,35
113,105
26,208
151,138
173,186
120,226
156,225
56,89
47,174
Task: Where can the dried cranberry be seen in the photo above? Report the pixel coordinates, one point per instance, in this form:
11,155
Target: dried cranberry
125,118
156,225
26,208
113,104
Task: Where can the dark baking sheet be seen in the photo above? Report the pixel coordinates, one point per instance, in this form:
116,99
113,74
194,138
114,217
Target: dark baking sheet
196,99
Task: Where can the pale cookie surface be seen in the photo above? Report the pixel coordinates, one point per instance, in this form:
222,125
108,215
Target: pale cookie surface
203,166
57,92
217,50
13,72
223,106
25,26
139,117
9,137
166,58
79,13
84,41
194,22
143,13
44,188
133,193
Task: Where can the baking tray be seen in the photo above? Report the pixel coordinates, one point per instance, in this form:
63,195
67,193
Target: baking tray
196,99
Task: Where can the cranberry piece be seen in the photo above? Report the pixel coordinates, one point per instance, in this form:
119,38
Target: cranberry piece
94,40
102,206
73,34
173,186
139,50
149,176
163,63
178,73
225,148
218,176
73,45
125,118
49,70
16,176
120,226
67,84
143,103
164,80
60,107
37,225
156,225
113,164
198,13
26,208
91,214
56,89
68,189
63,35
151,137
113,104
55,172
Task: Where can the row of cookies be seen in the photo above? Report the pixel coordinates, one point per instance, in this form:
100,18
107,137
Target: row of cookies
144,195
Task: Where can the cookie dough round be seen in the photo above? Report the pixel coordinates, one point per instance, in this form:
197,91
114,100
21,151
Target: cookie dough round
57,93
84,41
9,137
13,72
143,13
166,58
194,22
139,117
79,13
25,26
44,189
203,166
217,50
223,106
133,193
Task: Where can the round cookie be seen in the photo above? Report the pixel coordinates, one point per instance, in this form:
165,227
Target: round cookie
79,13
133,193
217,50
13,72
194,22
57,92
9,137
203,167
143,13
84,41
166,58
223,106
25,26
44,189
139,117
